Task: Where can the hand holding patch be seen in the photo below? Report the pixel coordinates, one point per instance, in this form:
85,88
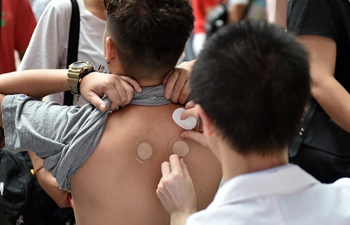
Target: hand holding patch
188,124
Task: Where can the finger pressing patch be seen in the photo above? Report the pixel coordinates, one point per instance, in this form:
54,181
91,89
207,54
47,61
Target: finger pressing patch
178,146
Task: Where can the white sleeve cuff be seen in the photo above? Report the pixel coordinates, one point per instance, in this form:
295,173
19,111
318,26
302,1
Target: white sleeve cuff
238,2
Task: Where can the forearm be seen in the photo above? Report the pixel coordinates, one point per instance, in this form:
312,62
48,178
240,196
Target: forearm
327,91
334,99
237,12
36,161
35,83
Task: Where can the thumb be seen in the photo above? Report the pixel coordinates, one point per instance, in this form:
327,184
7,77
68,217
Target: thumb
195,136
98,103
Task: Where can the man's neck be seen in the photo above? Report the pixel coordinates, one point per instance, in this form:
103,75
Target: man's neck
150,83
115,69
234,164
96,8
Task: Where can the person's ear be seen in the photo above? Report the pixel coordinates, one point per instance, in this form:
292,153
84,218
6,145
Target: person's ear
207,124
110,49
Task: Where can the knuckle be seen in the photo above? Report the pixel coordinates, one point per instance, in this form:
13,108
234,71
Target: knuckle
174,99
124,98
167,182
185,93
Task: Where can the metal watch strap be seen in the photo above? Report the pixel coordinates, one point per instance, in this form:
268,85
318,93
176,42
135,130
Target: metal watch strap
73,80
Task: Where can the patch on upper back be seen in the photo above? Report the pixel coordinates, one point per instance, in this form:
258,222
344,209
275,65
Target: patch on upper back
144,151
178,146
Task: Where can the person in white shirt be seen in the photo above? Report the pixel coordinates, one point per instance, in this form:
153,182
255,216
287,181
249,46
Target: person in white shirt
250,105
49,44
39,7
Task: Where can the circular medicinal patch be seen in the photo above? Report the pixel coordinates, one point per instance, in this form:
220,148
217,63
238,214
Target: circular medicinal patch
144,151
187,124
179,147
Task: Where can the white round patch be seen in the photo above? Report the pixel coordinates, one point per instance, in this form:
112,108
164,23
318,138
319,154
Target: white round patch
187,124
144,151
180,148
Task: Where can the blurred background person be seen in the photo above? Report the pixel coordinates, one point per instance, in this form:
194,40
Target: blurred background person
201,8
235,10
17,25
276,12
241,9
39,7
322,26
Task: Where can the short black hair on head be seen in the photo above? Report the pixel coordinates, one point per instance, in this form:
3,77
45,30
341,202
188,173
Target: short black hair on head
252,79
150,35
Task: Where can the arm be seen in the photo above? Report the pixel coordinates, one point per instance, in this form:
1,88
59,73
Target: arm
39,83
321,30
237,12
328,92
48,182
276,11
176,191
36,83
47,46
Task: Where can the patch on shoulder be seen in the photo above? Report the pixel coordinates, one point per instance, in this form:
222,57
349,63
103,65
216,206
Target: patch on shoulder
178,146
144,151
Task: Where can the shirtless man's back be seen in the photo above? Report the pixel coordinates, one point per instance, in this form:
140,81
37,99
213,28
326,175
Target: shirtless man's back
117,184
112,167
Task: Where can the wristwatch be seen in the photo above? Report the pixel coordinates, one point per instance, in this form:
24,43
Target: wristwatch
76,72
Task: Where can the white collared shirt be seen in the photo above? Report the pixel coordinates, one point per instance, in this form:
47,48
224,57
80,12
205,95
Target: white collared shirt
48,47
282,195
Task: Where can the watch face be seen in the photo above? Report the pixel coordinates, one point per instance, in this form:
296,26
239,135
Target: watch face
79,64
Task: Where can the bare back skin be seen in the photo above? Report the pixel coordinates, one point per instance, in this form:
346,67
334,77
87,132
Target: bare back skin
117,184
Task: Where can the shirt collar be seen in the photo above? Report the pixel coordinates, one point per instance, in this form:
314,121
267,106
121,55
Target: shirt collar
150,96
279,180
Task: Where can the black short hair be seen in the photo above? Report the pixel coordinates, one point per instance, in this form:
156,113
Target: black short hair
150,35
253,81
